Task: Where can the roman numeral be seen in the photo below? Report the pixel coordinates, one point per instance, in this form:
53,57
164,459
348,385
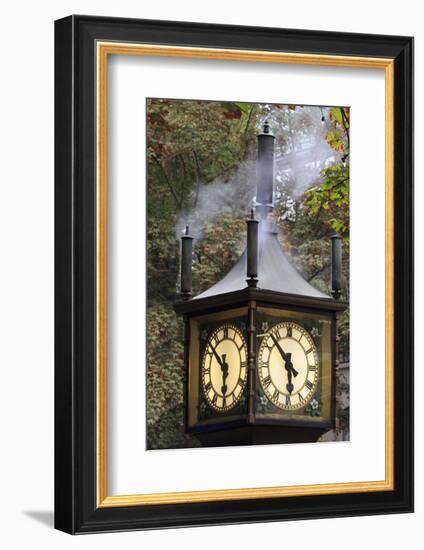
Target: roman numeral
312,368
215,340
240,382
301,398
243,364
267,345
223,401
289,332
309,384
266,382
308,351
215,398
275,395
288,400
225,332
208,387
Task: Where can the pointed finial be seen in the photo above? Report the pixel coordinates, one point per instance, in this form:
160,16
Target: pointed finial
252,213
187,230
266,127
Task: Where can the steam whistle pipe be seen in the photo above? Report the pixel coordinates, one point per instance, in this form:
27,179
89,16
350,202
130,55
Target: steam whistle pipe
252,250
336,266
265,172
186,264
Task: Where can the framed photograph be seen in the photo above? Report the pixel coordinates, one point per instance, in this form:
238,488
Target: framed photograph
234,274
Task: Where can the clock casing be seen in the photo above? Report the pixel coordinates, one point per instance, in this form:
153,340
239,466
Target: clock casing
251,316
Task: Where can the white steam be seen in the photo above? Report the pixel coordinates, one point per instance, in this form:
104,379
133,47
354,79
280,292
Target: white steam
219,197
306,153
301,152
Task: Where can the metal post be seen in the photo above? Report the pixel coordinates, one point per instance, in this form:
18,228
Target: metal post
336,266
186,374
251,361
186,264
252,250
335,339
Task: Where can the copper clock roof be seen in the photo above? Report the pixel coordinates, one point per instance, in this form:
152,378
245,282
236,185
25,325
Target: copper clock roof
275,272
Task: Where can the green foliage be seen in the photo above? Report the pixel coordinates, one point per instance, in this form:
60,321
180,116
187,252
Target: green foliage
218,250
331,197
192,140
162,259
165,380
331,194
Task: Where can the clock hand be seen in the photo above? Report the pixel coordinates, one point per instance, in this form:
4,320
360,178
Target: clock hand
286,357
280,349
218,358
290,370
224,369
289,385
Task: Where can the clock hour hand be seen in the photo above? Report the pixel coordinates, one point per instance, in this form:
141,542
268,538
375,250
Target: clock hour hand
224,369
290,370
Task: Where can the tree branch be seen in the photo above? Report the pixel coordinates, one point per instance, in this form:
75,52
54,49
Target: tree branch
168,182
317,272
345,126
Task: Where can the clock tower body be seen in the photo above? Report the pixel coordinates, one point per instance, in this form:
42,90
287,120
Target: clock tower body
260,346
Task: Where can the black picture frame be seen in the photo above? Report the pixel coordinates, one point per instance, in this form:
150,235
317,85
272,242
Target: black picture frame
76,509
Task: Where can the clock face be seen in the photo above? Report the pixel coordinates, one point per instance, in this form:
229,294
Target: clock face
288,366
224,367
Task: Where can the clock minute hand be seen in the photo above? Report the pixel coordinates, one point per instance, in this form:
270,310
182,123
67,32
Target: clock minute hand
287,360
218,358
280,349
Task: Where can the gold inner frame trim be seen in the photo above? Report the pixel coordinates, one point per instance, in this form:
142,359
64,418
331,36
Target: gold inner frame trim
103,50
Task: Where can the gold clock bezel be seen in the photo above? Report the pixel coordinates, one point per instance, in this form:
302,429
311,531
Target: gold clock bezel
270,394
244,379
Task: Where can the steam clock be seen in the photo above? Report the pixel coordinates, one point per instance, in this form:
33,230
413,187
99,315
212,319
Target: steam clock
261,344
